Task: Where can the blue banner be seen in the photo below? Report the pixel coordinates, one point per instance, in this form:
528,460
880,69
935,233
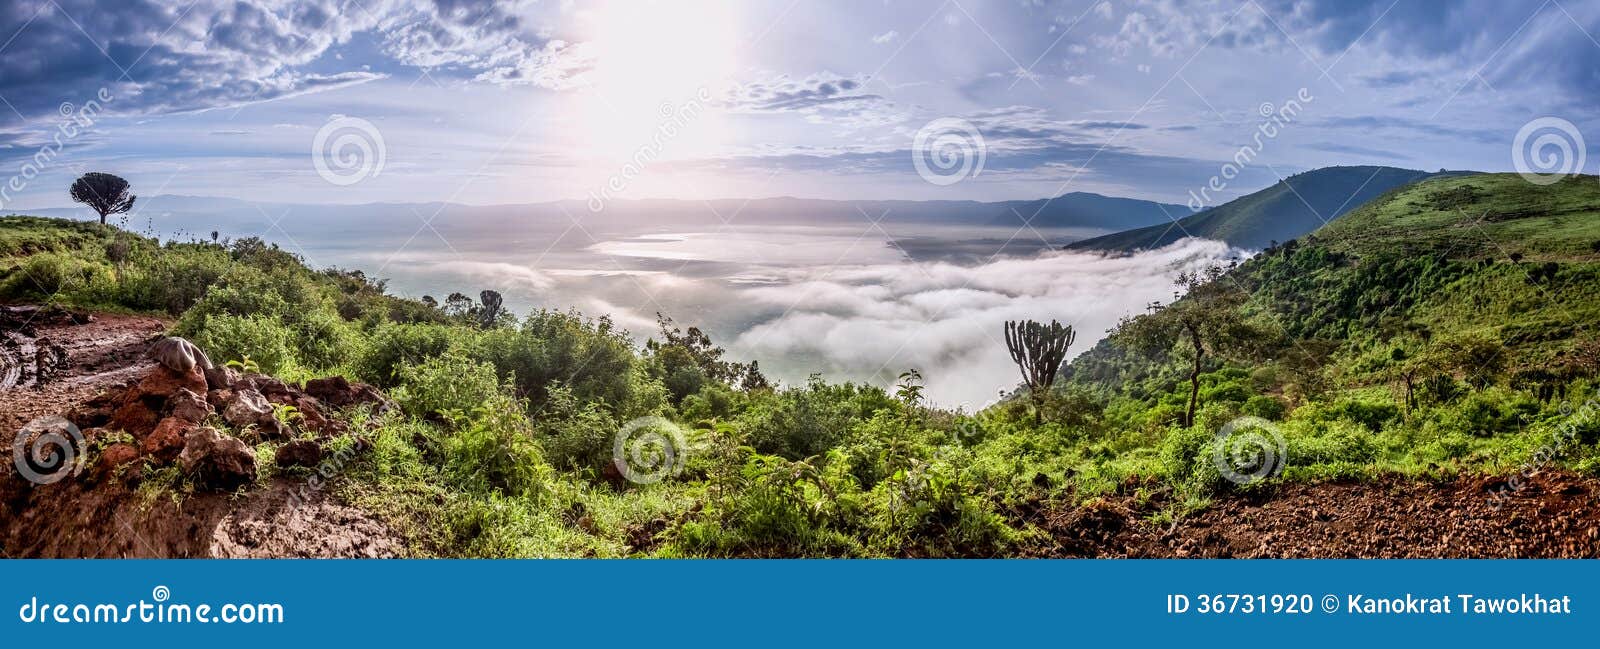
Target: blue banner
796,603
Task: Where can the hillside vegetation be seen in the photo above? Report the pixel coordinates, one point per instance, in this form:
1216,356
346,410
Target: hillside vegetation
1437,330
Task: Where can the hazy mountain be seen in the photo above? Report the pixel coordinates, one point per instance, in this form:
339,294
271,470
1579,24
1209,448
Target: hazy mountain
1085,210
1289,209
1070,216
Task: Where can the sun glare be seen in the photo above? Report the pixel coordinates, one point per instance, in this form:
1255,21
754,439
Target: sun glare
656,66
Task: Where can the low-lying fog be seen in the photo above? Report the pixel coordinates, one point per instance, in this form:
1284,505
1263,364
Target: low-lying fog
850,300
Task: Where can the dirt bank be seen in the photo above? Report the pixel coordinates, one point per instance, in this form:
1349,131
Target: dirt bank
94,515
1554,515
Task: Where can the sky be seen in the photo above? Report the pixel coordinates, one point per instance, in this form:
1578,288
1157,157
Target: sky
358,101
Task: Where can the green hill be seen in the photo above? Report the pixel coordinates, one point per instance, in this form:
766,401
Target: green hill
1454,311
1288,209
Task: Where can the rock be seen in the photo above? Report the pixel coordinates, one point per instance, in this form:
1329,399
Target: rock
180,356
219,398
269,428
246,408
216,461
221,378
188,406
116,456
311,416
270,387
134,418
339,392
163,382
167,440
304,453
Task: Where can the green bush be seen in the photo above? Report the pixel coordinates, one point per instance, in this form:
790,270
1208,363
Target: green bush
449,386
45,275
261,339
576,436
492,450
392,347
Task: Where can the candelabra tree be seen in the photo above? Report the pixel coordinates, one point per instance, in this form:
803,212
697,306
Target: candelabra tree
1038,350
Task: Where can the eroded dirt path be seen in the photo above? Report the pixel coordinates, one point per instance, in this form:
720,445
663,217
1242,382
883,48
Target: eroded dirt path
104,351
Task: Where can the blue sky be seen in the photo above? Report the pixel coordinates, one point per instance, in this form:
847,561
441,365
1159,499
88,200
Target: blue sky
513,102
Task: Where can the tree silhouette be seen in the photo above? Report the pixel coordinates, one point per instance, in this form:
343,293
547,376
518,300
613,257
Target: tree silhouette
493,306
1038,351
105,193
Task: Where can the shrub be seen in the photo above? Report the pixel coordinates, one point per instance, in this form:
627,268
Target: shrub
391,347
449,386
47,274
1264,407
577,436
492,450
591,357
261,339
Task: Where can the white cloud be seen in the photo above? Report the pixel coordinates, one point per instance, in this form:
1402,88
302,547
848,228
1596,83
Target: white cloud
885,37
872,322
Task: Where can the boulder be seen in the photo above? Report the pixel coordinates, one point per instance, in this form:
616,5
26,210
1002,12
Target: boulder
167,440
188,406
311,416
221,378
246,408
116,456
134,418
269,428
219,398
303,453
163,382
216,461
179,355
339,392
273,389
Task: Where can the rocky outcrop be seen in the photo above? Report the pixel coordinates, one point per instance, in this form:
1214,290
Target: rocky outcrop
339,392
302,453
216,461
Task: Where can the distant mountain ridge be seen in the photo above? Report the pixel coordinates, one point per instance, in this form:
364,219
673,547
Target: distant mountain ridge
1289,209
1079,210
1086,210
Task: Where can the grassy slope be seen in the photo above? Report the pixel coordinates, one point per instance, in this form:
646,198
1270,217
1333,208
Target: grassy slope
1480,224
1276,213
1409,280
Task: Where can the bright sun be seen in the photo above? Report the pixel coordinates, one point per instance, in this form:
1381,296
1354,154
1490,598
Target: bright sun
651,58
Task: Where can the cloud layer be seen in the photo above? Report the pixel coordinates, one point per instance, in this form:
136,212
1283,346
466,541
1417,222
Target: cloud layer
873,322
